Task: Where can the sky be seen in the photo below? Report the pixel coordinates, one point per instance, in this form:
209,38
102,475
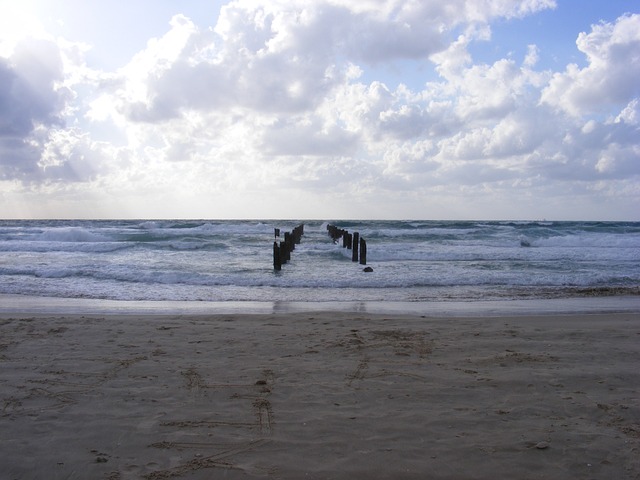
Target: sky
320,109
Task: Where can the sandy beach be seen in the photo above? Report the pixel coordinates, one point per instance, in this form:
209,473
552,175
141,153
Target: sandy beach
319,395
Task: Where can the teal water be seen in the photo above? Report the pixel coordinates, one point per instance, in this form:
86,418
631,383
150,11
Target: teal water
175,260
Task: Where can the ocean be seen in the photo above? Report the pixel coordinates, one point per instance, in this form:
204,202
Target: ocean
232,261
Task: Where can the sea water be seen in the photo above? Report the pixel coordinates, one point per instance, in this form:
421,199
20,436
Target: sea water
412,261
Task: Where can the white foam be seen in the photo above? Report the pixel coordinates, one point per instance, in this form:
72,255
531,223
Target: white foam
24,305
70,234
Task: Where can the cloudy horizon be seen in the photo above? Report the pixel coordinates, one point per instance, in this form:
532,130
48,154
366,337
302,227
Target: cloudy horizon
320,109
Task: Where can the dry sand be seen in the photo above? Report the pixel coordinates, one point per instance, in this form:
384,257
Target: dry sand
320,396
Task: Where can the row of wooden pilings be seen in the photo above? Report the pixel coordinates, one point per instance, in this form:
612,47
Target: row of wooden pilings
282,251
352,241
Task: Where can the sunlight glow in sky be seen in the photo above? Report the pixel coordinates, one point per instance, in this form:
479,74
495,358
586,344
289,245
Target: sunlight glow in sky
326,109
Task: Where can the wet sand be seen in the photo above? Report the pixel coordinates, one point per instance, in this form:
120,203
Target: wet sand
319,395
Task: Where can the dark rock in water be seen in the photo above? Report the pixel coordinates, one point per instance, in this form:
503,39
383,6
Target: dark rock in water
524,243
367,269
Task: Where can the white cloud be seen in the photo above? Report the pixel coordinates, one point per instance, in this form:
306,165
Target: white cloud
610,78
532,56
33,101
285,56
306,137
279,95
631,113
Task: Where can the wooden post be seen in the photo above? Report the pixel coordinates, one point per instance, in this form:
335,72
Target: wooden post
276,232
363,252
288,241
335,233
277,262
356,242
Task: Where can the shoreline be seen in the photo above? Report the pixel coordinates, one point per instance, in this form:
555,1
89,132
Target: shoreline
23,304
322,394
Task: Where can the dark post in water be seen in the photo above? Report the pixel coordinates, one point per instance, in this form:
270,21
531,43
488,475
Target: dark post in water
277,262
352,241
282,253
356,242
363,252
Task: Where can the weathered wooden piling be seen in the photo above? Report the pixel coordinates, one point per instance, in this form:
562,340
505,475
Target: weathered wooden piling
282,252
355,250
363,252
336,233
352,241
288,242
277,261
299,232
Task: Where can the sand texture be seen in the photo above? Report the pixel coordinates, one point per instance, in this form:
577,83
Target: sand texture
319,396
